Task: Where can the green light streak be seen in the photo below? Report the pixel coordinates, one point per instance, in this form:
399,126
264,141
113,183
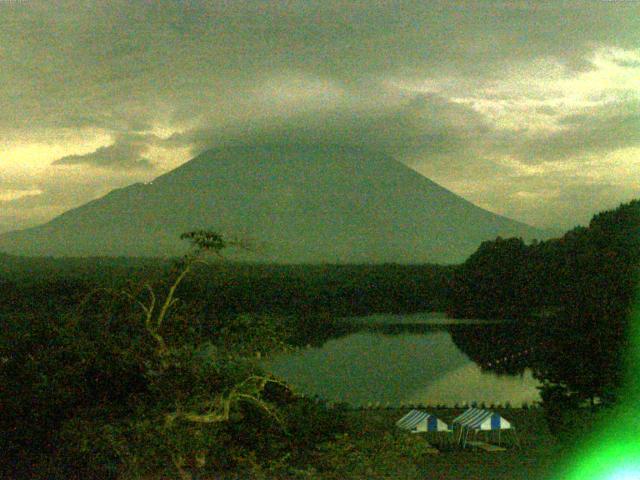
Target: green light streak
613,451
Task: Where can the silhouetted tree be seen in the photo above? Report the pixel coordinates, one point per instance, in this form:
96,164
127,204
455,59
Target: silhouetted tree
492,282
575,292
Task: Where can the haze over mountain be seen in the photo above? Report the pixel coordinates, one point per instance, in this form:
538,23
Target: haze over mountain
297,203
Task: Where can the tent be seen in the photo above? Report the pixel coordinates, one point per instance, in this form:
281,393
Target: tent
476,422
417,421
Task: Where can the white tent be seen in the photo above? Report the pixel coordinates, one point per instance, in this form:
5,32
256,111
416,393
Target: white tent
476,420
417,421
479,419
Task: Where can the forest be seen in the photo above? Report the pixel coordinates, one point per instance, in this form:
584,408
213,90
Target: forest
125,368
571,297
120,367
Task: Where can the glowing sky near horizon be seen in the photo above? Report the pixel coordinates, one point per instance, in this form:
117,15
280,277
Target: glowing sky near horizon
531,110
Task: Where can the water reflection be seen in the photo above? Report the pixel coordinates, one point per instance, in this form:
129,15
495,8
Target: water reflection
403,362
469,383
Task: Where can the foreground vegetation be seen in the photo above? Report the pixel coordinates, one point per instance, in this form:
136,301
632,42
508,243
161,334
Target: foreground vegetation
128,385
371,447
144,369
128,382
572,297
374,448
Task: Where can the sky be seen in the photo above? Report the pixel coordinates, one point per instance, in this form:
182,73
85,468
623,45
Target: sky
528,109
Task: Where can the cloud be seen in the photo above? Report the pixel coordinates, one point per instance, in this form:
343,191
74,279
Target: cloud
10,194
473,94
407,124
28,202
594,131
125,153
558,197
122,65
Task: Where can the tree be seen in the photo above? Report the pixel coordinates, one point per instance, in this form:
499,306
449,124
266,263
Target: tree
577,288
492,282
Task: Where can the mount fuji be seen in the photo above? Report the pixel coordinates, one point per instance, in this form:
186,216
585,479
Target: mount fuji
297,203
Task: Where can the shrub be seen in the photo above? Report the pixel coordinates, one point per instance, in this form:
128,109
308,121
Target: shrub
125,388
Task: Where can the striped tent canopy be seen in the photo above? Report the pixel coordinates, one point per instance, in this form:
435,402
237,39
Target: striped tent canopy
479,419
419,421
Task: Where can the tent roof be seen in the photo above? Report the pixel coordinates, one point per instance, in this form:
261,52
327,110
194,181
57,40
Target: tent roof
479,419
421,421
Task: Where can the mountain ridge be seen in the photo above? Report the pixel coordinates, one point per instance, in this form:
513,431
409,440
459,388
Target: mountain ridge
303,203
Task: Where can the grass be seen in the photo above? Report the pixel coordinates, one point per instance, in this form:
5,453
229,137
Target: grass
375,449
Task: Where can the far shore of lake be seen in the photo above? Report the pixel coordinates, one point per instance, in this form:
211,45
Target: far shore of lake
422,318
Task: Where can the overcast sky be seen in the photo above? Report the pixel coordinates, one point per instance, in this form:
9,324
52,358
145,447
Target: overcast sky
529,109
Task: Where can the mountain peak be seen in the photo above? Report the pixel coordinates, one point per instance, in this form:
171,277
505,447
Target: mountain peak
301,202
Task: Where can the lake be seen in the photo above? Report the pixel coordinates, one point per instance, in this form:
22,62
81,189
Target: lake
401,367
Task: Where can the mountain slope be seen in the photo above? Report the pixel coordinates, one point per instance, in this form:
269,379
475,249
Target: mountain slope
300,203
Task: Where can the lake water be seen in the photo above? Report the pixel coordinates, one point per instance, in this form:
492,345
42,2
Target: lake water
400,368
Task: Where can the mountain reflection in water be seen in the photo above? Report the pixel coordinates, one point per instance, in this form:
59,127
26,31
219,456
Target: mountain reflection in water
403,362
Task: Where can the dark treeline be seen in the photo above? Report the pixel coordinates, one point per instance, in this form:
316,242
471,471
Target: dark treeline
310,299
93,387
500,348
122,381
588,270
233,288
572,297
88,384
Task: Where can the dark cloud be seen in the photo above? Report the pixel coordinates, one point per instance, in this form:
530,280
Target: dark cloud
120,64
302,71
558,200
628,63
597,130
417,123
125,153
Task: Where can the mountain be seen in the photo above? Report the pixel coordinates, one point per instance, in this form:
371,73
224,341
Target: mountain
296,203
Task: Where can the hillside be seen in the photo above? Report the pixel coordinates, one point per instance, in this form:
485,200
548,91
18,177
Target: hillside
296,203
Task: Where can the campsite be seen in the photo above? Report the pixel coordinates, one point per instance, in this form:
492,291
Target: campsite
374,447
